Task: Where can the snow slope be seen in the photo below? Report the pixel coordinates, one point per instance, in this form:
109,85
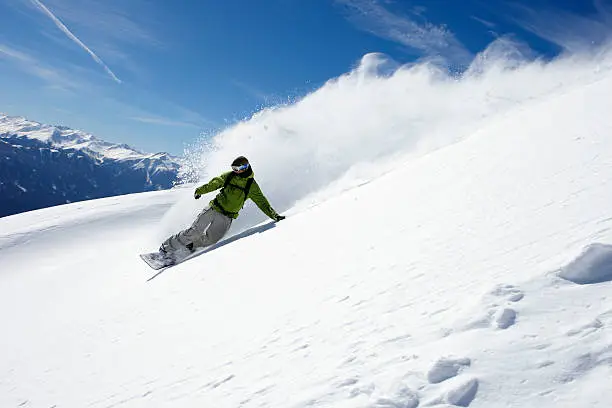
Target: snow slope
477,274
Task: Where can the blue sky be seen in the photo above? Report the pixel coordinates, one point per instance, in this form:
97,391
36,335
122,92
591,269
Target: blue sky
156,74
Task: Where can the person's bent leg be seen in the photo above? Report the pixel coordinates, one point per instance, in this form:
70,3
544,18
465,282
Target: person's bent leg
217,229
181,241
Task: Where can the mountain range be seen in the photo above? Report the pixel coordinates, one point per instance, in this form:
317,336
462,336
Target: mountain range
45,165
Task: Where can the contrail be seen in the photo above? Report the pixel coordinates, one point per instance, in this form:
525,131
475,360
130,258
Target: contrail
73,37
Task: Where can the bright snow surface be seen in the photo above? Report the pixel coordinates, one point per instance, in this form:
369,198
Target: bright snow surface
437,283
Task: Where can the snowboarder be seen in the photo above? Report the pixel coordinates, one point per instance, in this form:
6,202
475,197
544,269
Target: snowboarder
215,220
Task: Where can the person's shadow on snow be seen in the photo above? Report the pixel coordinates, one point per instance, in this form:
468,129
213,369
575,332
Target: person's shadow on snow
251,231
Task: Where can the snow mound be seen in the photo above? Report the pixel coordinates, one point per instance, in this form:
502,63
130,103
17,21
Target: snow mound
403,397
498,311
594,265
445,368
463,394
504,318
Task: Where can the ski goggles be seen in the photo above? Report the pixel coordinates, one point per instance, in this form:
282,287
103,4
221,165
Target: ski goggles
241,168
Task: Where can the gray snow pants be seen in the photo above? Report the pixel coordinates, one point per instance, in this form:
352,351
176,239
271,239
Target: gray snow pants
207,229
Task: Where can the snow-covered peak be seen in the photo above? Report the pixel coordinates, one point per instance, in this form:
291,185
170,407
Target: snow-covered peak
67,138
44,165
61,136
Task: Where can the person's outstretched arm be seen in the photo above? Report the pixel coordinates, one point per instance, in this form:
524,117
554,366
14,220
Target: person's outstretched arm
214,184
261,201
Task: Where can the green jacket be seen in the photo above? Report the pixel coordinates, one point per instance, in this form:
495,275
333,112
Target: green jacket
230,199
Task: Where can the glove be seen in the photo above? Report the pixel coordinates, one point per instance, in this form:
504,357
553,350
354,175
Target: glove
196,195
279,217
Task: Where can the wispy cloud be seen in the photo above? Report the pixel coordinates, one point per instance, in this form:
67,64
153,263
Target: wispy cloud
254,91
111,22
484,22
158,120
166,113
28,63
426,38
9,52
569,31
113,28
74,38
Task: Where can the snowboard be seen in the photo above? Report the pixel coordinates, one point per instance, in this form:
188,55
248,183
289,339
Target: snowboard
156,260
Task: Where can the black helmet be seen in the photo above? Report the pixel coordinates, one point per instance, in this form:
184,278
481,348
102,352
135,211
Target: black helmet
240,161
240,165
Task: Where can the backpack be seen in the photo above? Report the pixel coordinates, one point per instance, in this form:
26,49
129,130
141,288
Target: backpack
246,188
